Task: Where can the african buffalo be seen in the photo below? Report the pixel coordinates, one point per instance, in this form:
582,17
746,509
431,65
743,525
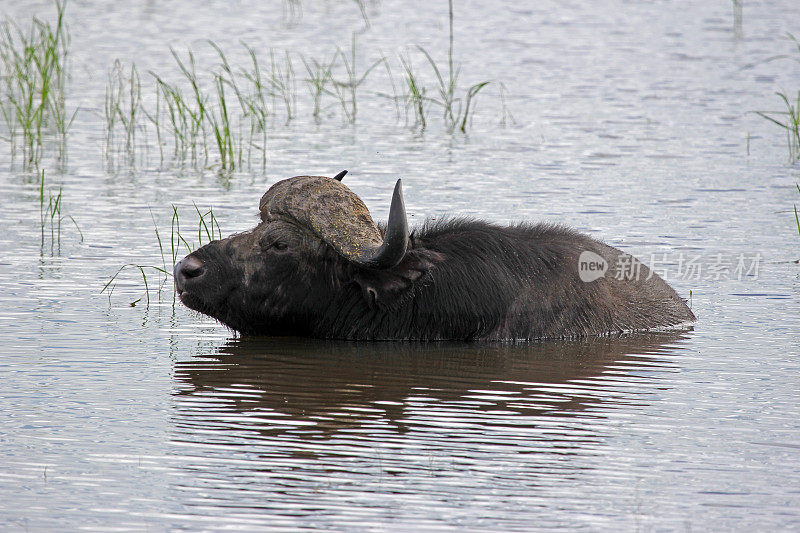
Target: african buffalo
317,265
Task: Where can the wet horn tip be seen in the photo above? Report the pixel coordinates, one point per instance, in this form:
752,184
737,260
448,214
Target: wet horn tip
340,175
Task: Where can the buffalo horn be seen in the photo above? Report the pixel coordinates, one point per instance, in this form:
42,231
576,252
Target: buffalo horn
395,242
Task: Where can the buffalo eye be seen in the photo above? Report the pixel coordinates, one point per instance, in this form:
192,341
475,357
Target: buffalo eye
270,243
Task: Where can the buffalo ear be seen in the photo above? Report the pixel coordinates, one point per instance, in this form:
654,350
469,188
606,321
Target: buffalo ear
385,289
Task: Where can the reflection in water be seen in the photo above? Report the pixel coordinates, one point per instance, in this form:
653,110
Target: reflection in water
313,388
296,431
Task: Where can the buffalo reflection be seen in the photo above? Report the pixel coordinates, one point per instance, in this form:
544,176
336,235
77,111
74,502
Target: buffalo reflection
313,388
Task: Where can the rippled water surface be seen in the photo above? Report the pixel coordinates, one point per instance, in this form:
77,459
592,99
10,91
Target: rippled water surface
631,120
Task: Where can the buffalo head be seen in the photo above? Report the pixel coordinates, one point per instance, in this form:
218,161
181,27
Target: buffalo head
315,237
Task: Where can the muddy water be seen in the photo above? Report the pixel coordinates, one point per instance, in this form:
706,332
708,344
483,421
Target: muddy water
631,121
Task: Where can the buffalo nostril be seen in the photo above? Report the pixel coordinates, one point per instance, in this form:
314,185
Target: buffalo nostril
192,267
187,268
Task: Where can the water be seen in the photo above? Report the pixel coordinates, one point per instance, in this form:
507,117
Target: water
632,122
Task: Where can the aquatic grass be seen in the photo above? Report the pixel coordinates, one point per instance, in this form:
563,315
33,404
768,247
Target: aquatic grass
414,93
347,90
220,116
228,137
319,76
33,104
111,285
111,103
506,115
795,58
53,212
789,117
221,128
197,106
33,95
789,120
52,215
58,41
292,12
23,92
796,217
455,110
394,96
362,7
155,119
737,17
257,103
123,106
282,83
177,237
208,229
197,113
186,117
252,102
446,88
230,80
176,114
188,112
472,92
23,101
214,114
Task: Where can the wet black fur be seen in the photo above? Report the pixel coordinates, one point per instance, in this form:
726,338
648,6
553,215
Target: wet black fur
461,279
